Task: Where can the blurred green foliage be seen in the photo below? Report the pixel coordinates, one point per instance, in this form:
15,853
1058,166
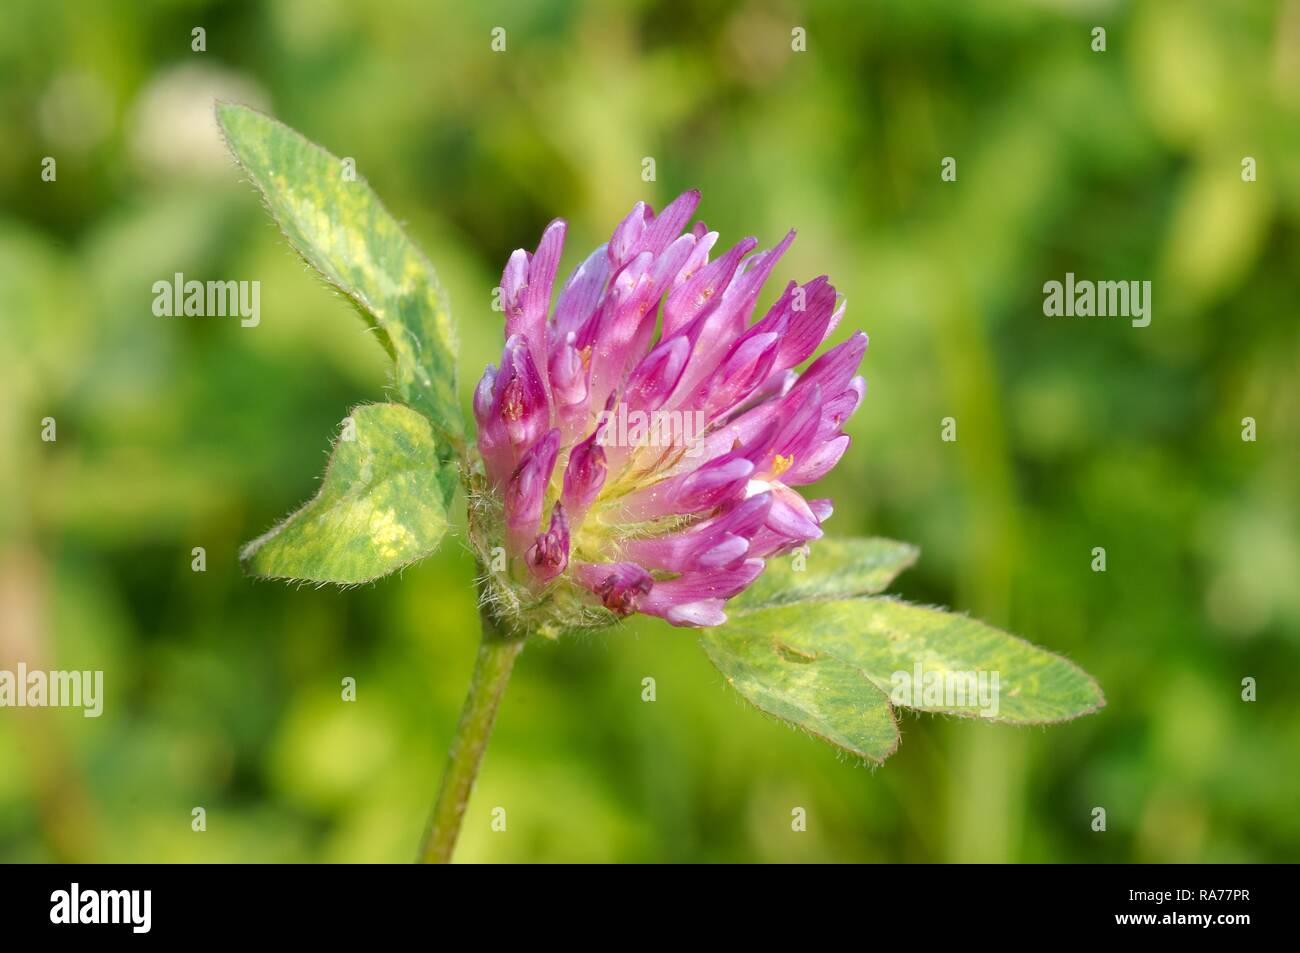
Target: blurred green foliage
1073,433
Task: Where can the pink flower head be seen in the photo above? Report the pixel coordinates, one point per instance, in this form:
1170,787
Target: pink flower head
641,443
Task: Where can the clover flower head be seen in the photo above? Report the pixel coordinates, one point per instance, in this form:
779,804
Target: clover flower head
641,442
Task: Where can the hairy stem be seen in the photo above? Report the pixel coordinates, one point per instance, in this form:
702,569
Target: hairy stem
496,658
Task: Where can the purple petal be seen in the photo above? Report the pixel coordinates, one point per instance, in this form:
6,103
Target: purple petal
670,265
701,293
791,516
697,259
526,293
668,224
493,442
695,599
526,491
548,556
818,463
624,245
822,509
513,282
519,400
542,268
836,368
626,314
620,586
697,615
581,294
741,372
568,376
743,292
839,408
584,475
806,328
657,374
710,485
790,522
800,417
713,543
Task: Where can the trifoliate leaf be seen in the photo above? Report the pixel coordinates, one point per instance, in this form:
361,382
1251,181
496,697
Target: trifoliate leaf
820,694
931,660
380,506
337,223
830,569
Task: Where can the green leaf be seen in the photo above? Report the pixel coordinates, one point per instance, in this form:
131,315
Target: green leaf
820,694
380,506
886,640
342,230
832,569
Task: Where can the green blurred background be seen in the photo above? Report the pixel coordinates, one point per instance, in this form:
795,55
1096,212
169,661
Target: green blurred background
1073,433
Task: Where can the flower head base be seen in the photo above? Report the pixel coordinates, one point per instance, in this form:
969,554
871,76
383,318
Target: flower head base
640,444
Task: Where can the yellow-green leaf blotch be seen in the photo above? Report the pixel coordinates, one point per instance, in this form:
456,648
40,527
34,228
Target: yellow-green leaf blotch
807,644
830,569
337,223
819,694
881,637
380,506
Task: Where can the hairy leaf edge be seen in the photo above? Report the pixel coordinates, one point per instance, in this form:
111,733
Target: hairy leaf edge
861,755
453,430
962,713
249,549
913,554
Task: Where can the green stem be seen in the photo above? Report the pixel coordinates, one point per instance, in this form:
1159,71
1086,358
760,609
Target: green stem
496,659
